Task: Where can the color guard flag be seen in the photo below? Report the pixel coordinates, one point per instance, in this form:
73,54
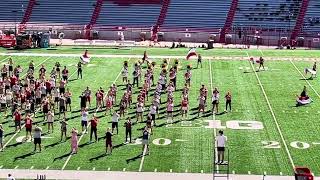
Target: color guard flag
192,52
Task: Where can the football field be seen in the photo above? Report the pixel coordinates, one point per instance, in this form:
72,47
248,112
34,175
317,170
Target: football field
266,132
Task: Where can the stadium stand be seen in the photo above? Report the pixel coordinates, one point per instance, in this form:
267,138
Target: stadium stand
267,14
59,12
196,14
12,10
312,18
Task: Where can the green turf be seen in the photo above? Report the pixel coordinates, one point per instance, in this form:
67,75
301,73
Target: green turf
191,144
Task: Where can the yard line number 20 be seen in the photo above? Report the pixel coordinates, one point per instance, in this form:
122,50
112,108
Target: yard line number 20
276,145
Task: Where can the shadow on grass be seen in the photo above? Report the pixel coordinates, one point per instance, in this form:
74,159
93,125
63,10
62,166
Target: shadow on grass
62,157
24,156
134,158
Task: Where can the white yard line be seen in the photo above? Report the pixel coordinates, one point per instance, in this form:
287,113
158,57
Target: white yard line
15,134
304,77
273,115
214,118
82,135
5,58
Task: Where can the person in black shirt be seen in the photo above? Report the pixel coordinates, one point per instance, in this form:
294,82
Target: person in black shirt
58,69
135,78
82,100
128,126
261,63
108,141
145,141
199,60
79,70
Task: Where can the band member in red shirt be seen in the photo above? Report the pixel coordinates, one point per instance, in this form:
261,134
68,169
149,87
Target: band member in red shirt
28,125
94,124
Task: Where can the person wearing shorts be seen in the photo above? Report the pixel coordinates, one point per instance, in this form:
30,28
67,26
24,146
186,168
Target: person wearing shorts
17,119
115,121
65,73
108,141
84,119
62,105
94,124
145,141
201,108
28,125
221,142
215,100
50,120
63,129
37,138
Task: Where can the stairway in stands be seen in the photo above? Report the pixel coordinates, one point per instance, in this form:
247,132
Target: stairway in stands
27,15
228,23
300,19
94,17
161,18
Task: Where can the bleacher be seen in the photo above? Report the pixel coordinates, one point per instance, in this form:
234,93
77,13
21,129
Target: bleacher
129,13
205,14
267,13
12,10
312,18
62,11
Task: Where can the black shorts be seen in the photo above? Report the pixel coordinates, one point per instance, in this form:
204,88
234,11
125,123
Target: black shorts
17,123
37,140
4,75
114,124
84,123
38,100
56,99
43,95
68,101
215,102
58,69
7,87
62,90
163,86
65,78
153,116
45,110
221,148
3,105
10,68
62,109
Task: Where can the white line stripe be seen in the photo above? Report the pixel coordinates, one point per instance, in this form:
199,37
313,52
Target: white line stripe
124,169
1,166
16,167
78,168
264,173
305,78
5,58
201,171
93,169
281,174
31,167
273,116
186,170
155,170
233,172
249,172
69,157
109,169
214,117
171,170
47,167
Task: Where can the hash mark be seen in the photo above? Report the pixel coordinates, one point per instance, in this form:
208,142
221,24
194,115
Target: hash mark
171,170
249,172
124,169
78,168
233,172
16,167
155,170
47,167
1,166
31,167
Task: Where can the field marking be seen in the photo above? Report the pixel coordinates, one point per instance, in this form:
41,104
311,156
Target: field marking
124,169
171,170
214,118
249,172
31,167
281,174
109,169
16,167
155,170
47,167
233,172
15,134
264,173
78,168
273,115
316,143
94,168
82,135
201,171
304,77
186,171
4,59
1,166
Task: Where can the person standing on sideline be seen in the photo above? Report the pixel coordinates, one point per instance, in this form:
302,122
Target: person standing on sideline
115,121
221,144
74,141
37,138
145,141
108,141
128,125
84,120
79,70
199,60
1,137
94,124
228,101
